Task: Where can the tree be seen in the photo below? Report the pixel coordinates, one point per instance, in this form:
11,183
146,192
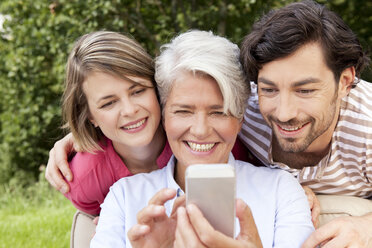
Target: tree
38,35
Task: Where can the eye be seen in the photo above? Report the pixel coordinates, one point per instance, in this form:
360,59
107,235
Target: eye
218,113
182,112
305,91
268,90
139,91
107,104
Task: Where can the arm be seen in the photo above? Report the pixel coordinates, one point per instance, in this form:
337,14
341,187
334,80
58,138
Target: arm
154,228
353,231
57,169
193,230
110,231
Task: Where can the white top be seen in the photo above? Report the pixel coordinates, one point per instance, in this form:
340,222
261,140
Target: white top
347,168
278,203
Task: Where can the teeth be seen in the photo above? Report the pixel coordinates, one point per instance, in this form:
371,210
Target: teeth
290,129
135,125
200,147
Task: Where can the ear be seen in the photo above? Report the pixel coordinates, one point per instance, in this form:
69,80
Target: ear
346,81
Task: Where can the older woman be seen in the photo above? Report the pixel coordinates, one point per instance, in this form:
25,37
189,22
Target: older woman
203,94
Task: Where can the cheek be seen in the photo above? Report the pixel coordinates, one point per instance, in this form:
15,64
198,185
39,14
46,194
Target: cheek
229,130
265,105
173,126
153,101
315,107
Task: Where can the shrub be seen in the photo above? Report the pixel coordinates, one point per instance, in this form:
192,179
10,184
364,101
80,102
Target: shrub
37,36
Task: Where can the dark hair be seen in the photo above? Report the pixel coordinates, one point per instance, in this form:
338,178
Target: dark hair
281,32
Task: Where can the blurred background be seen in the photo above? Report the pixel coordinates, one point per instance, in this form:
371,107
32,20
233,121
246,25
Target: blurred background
35,39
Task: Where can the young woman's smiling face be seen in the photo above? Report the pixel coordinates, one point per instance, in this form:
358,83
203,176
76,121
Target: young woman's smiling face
198,131
128,113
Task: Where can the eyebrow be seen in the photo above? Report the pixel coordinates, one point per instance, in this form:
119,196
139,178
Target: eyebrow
301,82
191,106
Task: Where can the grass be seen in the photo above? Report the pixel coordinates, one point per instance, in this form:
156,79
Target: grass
34,216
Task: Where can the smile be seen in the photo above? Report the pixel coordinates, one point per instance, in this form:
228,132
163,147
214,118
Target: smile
135,125
200,147
291,129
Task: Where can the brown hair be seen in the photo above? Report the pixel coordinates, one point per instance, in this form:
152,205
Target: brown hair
283,31
106,52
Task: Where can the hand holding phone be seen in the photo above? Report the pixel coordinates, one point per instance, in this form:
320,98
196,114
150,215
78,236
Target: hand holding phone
211,187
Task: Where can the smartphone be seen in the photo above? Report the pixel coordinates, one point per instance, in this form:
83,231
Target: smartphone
211,187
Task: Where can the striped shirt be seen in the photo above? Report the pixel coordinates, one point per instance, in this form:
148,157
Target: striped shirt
347,168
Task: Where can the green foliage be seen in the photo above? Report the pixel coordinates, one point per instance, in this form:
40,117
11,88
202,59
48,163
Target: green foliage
38,35
357,14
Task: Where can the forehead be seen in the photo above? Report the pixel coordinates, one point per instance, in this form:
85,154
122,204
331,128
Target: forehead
307,62
195,89
102,77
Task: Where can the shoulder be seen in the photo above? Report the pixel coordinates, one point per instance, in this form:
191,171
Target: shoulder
263,175
354,126
83,162
141,182
358,102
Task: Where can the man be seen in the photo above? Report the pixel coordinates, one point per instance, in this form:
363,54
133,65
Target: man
309,113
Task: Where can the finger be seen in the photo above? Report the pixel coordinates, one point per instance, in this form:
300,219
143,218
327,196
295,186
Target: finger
185,235
205,232
151,213
315,212
48,175
322,234
54,176
310,195
336,242
62,149
161,197
248,228
180,201
59,182
314,205
138,231
95,220
64,167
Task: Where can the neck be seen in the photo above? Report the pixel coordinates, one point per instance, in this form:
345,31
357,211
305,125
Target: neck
297,160
143,159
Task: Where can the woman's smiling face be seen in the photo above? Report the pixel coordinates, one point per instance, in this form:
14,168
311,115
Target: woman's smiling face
128,113
198,130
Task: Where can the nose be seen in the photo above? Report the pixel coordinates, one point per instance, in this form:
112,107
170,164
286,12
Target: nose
128,107
200,126
286,108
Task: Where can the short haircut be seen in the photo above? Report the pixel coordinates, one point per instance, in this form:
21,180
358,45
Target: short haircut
283,31
203,53
102,51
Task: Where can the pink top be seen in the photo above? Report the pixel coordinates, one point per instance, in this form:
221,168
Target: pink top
94,174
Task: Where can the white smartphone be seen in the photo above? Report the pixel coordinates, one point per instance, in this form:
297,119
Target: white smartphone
211,187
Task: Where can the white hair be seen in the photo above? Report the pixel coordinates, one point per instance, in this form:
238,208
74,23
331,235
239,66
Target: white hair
201,52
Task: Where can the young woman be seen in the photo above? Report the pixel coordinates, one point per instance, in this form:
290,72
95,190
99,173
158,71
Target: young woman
110,106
